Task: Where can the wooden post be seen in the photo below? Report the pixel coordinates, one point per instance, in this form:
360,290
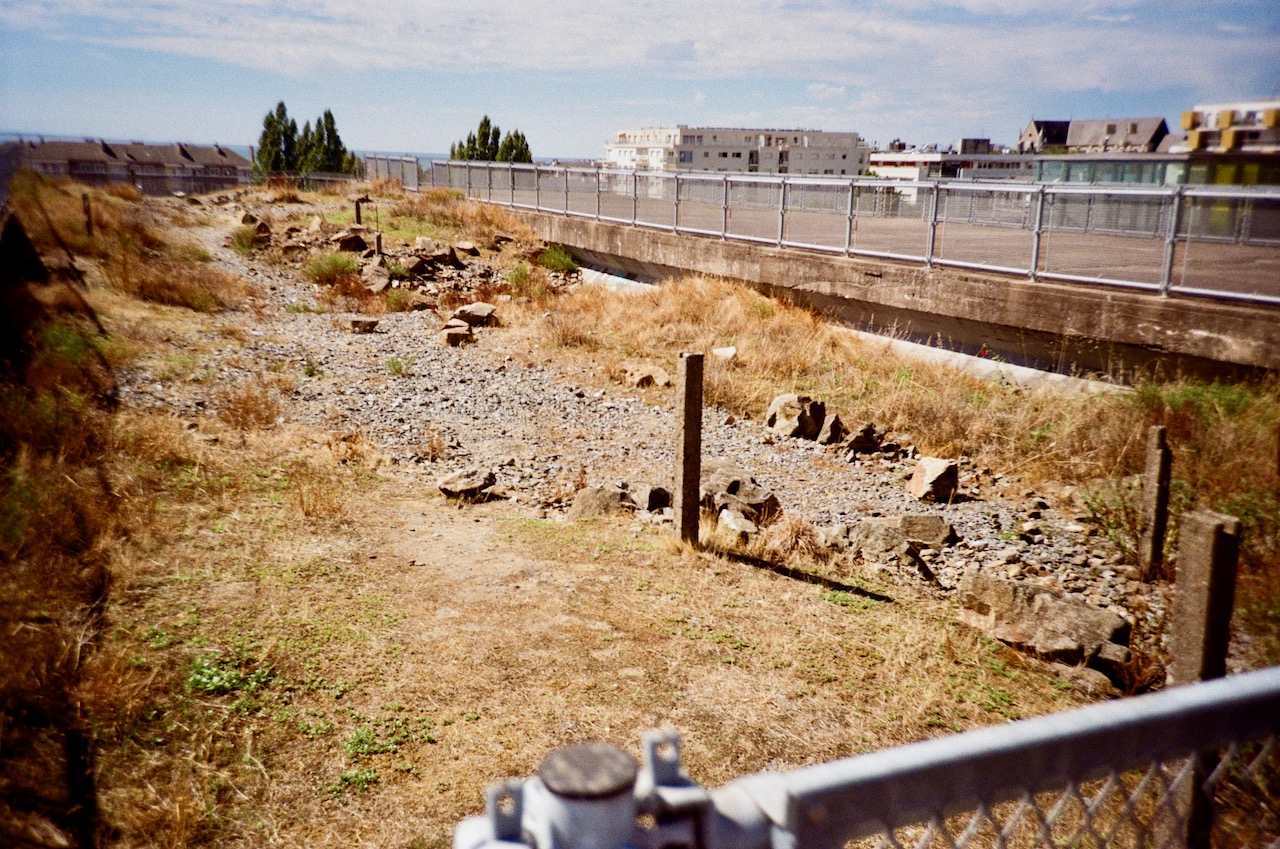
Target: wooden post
1204,593
358,221
1155,504
88,214
689,449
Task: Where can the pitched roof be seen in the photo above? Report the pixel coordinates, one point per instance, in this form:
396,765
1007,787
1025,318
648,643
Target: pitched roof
1117,132
1052,132
155,154
203,154
71,151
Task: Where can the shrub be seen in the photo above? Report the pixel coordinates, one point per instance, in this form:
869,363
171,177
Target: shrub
328,269
556,258
248,406
245,239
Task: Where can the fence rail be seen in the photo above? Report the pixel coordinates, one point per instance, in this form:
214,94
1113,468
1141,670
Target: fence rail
1119,774
1211,241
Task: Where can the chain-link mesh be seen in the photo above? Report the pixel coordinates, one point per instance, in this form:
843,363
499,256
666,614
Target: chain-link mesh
1177,803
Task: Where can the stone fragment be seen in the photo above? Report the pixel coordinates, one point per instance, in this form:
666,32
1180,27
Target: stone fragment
651,499
249,218
722,484
927,530
456,336
467,483
363,325
934,479
376,278
727,353
479,314
797,416
349,241
316,225
1038,619
594,501
466,248
414,265
865,440
833,430
736,524
641,376
422,243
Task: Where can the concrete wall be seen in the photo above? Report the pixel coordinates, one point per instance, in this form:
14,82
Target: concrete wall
1048,325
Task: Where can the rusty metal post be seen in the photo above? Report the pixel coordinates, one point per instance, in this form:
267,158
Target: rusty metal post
689,449
1155,504
88,214
1200,632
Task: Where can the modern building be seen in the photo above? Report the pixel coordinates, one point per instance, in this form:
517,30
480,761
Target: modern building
764,151
153,168
950,165
1247,127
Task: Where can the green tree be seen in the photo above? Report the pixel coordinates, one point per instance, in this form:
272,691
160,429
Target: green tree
487,144
278,144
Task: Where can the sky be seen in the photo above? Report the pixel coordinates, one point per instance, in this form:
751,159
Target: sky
416,75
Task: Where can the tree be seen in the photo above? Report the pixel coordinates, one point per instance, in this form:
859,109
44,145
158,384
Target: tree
318,148
487,144
277,146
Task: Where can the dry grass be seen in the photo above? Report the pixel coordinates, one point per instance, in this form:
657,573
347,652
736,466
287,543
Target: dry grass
250,405
478,222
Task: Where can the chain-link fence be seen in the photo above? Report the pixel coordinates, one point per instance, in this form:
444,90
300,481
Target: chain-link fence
1196,240
1191,766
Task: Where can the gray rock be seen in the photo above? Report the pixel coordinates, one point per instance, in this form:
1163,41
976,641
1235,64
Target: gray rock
927,529
593,501
467,483
479,314
1038,619
376,278
363,325
466,248
349,241
646,375
650,498
456,336
797,416
734,522
723,485
934,479
428,246
865,440
833,430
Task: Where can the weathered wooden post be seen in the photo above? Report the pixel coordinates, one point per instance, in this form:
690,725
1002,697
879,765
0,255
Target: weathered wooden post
1155,504
88,214
1200,631
358,200
689,449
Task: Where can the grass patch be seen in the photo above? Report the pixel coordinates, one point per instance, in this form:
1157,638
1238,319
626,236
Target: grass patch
556,258
331,268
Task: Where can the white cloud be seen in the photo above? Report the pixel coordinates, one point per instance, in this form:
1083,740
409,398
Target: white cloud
822,91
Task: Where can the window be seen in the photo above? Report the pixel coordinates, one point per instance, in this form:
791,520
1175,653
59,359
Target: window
1133,128
705,154
737,154
724,154
686,156
1111,129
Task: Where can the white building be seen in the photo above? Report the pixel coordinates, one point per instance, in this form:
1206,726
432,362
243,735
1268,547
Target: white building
948,165
682,148
1247,127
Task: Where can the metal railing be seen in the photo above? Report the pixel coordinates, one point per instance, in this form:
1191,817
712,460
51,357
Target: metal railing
1211,241
1191,766
403,168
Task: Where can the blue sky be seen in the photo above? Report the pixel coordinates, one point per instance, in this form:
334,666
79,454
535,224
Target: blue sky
415,75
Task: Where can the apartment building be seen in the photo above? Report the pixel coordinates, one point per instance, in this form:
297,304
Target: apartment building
1246,127
728,149
153,168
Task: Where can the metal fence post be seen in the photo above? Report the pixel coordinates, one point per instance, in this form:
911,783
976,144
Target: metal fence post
468,167
511,180
597,194
488,182
724,210
782,212
537,189
566,191
1155,503
689,448
675,208
635,196
1036,232
931,239
1171,242
848,218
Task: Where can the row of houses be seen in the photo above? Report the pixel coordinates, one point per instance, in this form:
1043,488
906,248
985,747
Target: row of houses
152,168
1229,143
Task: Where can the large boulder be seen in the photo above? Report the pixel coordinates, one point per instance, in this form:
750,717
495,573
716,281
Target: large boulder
877,542
1038,619
349,241
833,430
723,485
927,530
797,416
934,479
